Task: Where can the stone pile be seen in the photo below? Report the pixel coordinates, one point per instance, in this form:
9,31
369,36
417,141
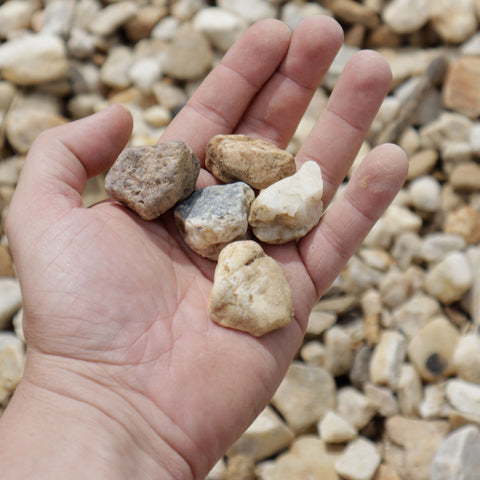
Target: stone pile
387,382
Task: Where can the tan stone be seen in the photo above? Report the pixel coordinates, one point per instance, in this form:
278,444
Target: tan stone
461,91
253,161
250,291
466,177
240,467
359,461
464,222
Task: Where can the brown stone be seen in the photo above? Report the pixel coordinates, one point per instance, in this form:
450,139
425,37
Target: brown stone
153,178
240,467
250,291
461,91
6,262
354,12
256,162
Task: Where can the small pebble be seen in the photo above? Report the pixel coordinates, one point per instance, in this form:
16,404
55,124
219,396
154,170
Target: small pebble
290,208
152,179
250,291
359,461
335,429
214,216
253,161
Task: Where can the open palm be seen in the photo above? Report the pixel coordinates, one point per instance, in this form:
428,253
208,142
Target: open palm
122,303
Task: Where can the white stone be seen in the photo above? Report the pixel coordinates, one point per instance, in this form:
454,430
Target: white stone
464,396
436,246
406,16
466,359
58,17
409,390
359,461
414,313
335,429
252,10
290,208
425,192
15,15
266,436
450,279
338,350
457,456
447,127
355,407
112,17
144,73
186,9
32,59
400,219
221,27
434,404
313,353
166,28
387,359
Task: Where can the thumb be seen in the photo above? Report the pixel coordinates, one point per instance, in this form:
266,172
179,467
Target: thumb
61,160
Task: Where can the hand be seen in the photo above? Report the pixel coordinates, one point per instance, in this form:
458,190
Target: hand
122,357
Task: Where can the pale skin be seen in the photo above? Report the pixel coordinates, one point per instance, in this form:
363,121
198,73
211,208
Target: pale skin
126,375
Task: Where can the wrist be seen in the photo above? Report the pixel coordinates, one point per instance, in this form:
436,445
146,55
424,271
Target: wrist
82,429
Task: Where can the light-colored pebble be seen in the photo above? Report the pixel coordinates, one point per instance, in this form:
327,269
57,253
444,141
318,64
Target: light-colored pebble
290,208
464,396
406,16
359,461
355,407
335,429
12,362
338,351
466,358
450,278
409,390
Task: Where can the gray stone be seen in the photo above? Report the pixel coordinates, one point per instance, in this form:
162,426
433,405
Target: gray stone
290,208
250,291
457,456
253,161
214,216
151,179
305,395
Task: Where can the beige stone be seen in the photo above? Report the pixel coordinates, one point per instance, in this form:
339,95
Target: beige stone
461,91
355,407
290,208
240,467
431,350
256,162
151,179
466,177
464,222
466,358
304,396
359,461
453,20
250,291
409,391
335,429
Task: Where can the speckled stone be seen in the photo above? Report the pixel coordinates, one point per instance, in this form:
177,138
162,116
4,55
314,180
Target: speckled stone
290,208
151,179
250,291
254,161
214,216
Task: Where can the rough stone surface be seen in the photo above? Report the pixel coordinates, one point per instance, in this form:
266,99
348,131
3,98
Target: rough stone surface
214,216
457,456
255,162
290,208
304,396
250,291
152,179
